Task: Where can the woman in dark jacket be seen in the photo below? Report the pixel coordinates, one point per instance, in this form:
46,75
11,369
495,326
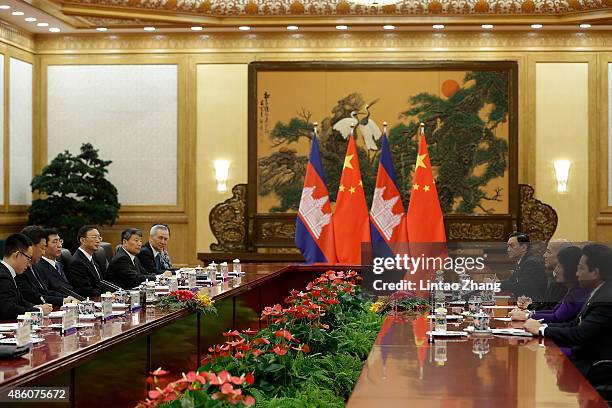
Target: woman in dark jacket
572,302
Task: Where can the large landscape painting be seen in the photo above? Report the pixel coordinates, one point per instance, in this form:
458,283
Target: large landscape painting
468,110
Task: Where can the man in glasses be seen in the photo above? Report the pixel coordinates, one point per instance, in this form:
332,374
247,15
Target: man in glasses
85,273
33,285
17,257
52,269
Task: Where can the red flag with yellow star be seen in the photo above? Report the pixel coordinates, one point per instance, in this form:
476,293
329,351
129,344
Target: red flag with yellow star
351,218
424,223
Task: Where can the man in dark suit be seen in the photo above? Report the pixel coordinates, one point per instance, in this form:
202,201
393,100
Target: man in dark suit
125,269
528,279
154,256
17,256
34,286
590,334
85,274
52,269
554,291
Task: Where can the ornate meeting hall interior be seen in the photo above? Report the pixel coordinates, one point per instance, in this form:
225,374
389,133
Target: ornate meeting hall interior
210,203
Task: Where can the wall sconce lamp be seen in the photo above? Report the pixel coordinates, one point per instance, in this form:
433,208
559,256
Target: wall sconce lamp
562,168
221,174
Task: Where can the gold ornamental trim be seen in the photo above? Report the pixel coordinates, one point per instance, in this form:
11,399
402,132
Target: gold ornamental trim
337,43
221,8
15,37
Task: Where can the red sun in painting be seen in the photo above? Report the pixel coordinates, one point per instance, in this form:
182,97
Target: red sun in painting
449,87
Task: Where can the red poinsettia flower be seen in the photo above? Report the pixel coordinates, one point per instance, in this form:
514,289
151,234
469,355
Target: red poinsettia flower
250,378
159,372
249,332
280,350
275,310
249,401
285,334
261,340
257,352
232,333
155,394
235,343
227,389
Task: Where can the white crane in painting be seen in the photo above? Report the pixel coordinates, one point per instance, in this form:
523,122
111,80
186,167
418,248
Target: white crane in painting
344,125
369,130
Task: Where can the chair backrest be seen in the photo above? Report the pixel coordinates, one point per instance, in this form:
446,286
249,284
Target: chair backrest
65,258
104,254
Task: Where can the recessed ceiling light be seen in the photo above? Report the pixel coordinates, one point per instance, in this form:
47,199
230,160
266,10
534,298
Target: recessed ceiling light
54,30
244,28
438,26
389,27
585,26
197,28
18,13
42,24
4,7
149,28
293,28
341,27
487,26
30,19
101,29
537,26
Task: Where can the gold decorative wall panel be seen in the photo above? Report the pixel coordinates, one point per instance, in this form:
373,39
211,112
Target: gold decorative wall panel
338,43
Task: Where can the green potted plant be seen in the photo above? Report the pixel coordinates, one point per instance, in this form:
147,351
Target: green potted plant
73,191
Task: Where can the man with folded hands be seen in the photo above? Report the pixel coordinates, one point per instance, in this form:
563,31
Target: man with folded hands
589,334
17,256
125,269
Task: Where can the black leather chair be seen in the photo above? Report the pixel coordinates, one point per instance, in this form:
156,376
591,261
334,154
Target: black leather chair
65,258
104,254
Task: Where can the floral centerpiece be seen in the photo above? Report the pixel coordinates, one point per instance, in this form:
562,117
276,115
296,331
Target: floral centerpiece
407,301
179,299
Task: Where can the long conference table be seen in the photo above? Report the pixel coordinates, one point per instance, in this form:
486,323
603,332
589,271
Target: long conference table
107,365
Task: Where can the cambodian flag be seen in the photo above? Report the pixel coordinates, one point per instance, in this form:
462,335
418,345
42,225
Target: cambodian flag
314,231
387,218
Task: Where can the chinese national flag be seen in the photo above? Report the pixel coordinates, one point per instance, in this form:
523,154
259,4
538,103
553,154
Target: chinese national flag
424,223
351,219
